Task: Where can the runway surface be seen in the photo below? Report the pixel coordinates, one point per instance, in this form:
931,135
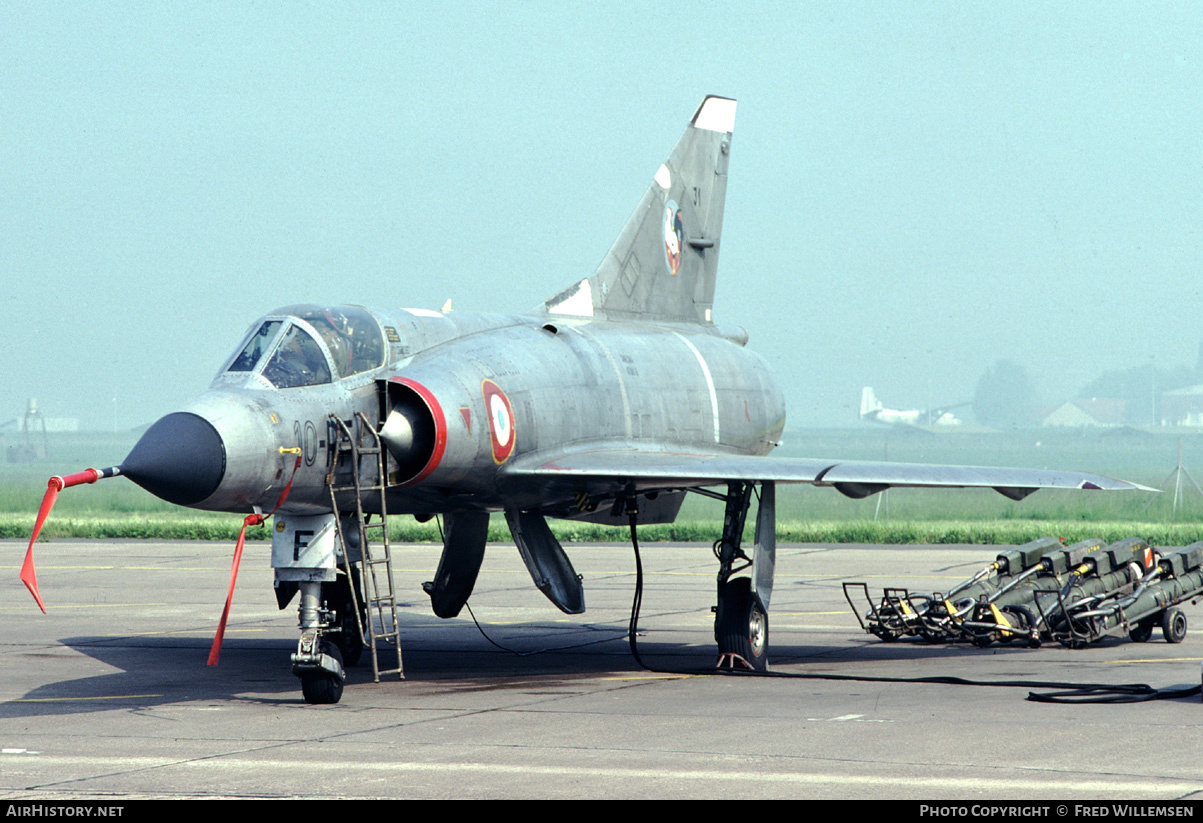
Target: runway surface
108,695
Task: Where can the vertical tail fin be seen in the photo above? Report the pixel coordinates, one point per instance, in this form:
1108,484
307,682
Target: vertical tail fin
663,265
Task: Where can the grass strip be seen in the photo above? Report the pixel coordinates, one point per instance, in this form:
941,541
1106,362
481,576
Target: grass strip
404,530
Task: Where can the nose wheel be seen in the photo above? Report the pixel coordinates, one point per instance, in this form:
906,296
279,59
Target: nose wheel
322,675
323,686
318,660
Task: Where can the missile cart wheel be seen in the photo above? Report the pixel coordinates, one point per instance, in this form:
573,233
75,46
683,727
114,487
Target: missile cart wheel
1026,622
1173,625
932,635
741,626
323,687
1020,621
1142,630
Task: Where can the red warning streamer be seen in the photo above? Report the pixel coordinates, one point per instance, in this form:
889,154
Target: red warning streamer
29,575
249,520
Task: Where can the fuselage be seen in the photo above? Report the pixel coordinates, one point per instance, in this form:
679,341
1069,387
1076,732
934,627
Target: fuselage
893,417
488,388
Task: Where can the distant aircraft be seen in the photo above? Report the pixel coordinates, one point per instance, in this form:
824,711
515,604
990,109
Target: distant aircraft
872,410
607,403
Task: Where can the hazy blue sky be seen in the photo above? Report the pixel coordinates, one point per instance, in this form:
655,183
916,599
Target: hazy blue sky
916,190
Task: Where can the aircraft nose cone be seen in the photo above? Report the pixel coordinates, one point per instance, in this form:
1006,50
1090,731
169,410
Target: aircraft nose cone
180,459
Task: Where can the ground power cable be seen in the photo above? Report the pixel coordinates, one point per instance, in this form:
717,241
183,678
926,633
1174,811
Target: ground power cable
1065,692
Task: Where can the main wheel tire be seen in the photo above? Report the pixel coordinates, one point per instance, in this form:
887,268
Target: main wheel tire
1173,625
350,644
323,687
1142,630
742,624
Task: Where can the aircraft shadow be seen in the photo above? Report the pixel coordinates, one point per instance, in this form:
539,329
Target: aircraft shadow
155,671
161,671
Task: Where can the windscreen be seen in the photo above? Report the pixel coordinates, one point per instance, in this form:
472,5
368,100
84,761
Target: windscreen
297,362
252,353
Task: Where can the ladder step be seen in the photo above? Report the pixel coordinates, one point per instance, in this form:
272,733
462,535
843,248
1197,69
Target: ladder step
358,439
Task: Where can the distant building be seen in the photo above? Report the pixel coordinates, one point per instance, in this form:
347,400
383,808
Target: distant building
53,424
1183,407
1083,411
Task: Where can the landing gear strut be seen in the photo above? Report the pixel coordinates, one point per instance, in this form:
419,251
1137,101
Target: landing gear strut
741,622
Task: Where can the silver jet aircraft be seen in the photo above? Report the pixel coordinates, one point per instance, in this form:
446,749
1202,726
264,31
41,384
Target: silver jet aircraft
608,403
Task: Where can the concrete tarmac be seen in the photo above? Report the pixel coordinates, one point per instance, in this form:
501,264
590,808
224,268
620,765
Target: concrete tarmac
108,695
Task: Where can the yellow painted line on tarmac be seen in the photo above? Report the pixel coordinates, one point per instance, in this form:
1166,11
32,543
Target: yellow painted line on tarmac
110,568
57,607
808,614
1153,660
205,632
908,576
74,699
225,564
654,677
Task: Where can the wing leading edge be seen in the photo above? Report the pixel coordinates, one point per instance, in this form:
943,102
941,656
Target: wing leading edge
648,469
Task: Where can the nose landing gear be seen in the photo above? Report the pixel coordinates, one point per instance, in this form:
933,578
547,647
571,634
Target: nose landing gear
318,661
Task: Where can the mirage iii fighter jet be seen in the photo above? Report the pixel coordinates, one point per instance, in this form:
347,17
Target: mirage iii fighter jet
609,402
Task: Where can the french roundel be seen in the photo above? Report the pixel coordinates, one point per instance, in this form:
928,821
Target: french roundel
501,420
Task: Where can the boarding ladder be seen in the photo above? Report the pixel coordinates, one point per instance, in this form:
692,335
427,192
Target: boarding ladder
358,441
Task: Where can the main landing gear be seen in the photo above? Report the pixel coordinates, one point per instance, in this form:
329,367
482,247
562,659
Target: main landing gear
741,626
741,618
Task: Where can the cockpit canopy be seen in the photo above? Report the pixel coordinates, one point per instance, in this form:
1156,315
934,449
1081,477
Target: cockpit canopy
310,345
